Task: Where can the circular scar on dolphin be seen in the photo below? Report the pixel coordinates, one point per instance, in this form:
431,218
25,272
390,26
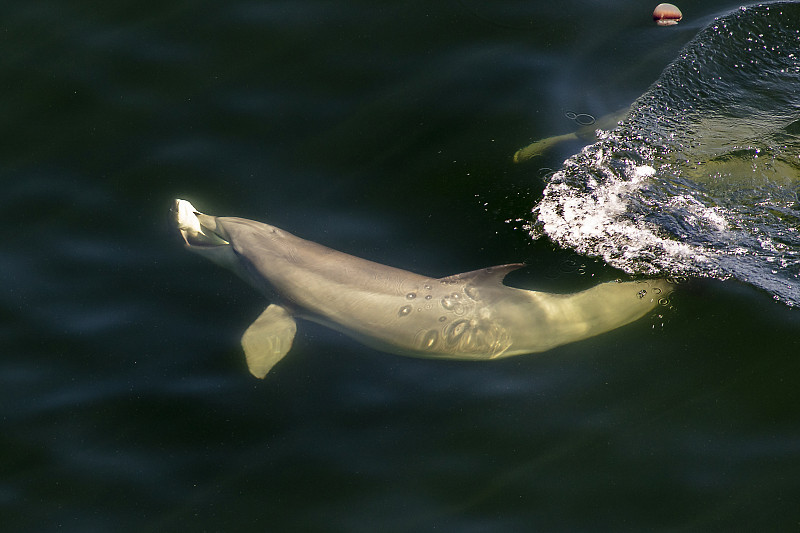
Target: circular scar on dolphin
469,316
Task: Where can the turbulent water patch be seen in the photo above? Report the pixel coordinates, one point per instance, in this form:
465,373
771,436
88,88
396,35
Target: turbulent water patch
703,177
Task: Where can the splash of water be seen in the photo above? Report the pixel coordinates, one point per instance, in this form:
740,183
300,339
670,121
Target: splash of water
703,177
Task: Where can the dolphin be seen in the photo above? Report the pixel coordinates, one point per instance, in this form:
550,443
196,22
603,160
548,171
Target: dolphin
586,133
469,316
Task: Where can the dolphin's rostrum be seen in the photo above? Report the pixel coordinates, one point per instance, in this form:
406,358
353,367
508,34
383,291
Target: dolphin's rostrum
464,316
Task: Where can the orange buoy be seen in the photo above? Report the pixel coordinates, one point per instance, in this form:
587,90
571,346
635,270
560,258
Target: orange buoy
667,15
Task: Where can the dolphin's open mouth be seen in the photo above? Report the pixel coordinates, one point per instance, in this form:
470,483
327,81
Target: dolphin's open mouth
196,228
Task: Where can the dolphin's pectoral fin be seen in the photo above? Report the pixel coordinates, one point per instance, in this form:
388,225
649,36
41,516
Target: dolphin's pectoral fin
541,146
268,339
494,274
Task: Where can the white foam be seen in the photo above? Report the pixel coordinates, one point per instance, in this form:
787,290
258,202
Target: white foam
593,220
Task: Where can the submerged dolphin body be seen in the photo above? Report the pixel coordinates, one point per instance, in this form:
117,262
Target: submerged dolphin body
464,316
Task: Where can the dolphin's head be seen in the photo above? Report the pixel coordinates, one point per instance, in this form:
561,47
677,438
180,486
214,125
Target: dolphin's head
202,234
196,228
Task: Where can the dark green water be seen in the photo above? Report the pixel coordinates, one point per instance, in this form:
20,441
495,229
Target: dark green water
385,130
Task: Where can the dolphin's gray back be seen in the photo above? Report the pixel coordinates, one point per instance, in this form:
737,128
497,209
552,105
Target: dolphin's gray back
289,262
318,282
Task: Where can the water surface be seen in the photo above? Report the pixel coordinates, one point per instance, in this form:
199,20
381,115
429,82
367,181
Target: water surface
702,177
385,130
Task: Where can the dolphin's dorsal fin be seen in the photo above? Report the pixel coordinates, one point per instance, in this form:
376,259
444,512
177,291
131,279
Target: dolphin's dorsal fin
494,274
268,339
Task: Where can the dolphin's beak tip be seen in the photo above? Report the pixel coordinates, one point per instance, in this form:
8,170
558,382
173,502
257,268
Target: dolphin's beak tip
186,218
